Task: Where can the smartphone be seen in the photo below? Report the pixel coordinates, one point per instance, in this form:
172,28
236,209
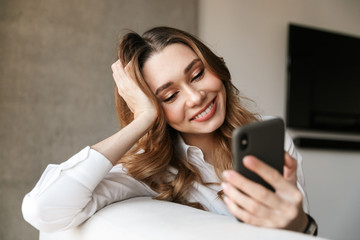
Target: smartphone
264,140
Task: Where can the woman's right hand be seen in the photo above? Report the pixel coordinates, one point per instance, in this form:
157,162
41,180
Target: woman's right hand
135,98
145,114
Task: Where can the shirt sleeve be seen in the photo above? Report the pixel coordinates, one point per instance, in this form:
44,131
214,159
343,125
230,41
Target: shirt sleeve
290,148
68,194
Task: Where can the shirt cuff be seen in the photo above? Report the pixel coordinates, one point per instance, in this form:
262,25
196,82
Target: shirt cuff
89,167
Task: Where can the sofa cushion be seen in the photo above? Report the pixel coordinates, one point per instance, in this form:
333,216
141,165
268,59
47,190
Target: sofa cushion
145,218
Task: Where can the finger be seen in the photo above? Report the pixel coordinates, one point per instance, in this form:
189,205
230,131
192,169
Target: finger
252,189
274,208
113,65
127,67
242,214
116,62
290,168
284,189
290,162
244,201
120,75
117,78
116,69
269,174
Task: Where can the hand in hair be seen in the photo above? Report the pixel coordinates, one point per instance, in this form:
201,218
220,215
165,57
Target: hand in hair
115,146
135,98
256,205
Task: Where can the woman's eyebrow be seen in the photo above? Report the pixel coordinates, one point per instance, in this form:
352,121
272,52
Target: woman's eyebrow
186,70
163,87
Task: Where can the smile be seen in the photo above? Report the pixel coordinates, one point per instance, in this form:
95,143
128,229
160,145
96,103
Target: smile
207,113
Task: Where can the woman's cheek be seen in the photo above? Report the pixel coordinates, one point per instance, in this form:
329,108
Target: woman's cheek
173,114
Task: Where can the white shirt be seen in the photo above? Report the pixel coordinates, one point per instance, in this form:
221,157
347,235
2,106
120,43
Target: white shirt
68,194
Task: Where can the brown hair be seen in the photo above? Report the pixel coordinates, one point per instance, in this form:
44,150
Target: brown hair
149,160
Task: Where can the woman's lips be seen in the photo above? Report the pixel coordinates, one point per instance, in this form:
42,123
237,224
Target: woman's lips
206,113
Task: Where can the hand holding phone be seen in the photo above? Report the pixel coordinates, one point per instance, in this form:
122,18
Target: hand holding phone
245,199
264,140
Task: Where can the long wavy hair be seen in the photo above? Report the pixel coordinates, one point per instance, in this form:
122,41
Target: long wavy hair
149,160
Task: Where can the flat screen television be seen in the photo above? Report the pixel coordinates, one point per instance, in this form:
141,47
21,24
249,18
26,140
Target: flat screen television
323,80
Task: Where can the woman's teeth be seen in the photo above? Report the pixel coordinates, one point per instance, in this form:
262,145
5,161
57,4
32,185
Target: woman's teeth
207,110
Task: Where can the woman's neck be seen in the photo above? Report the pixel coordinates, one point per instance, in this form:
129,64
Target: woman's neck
206,142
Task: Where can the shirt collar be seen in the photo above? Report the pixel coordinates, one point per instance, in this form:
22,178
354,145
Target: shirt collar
190,152
181,146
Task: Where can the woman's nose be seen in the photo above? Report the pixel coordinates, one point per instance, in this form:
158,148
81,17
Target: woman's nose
194,96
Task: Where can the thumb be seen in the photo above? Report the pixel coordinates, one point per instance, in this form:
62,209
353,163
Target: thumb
290,169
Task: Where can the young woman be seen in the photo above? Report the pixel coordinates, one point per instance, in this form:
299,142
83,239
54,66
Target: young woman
178,108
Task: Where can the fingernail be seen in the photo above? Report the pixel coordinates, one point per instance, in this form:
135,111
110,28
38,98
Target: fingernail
226,174
248,160
224,186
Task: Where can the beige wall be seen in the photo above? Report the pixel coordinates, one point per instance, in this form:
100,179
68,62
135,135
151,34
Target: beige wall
56,87
251,35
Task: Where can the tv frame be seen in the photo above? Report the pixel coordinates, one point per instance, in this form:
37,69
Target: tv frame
289,112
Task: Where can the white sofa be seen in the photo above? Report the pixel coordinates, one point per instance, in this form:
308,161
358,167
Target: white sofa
145,218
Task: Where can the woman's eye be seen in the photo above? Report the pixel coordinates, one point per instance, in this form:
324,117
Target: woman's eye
172,97
199,75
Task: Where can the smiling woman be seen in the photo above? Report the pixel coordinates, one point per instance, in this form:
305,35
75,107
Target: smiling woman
189,98
178,108
183,78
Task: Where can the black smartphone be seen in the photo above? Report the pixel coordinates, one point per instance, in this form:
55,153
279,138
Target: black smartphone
264,140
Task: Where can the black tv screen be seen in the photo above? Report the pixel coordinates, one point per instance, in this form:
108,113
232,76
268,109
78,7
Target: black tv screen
323,80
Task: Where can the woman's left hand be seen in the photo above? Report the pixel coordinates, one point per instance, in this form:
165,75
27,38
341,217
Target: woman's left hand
254,204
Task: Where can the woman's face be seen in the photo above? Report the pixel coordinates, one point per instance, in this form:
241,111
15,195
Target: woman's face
193,98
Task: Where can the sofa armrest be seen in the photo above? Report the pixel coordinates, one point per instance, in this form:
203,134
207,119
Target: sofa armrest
145,218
